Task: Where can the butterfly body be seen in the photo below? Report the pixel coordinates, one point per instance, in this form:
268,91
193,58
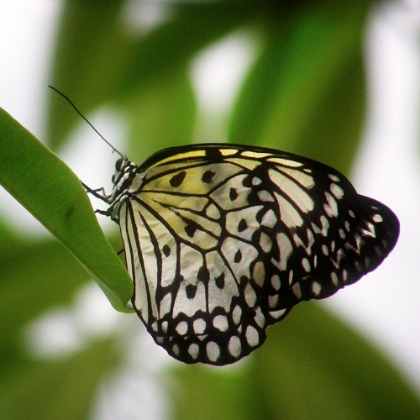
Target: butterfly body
221,241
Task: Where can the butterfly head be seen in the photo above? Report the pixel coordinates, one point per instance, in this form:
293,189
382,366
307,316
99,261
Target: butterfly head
124,173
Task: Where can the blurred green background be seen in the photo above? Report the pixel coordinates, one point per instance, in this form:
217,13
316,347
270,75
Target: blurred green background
303,91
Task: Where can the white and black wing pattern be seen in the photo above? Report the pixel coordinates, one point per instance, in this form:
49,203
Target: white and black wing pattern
221,241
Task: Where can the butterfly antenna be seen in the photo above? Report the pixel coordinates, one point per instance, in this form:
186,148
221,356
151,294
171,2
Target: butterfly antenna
90,124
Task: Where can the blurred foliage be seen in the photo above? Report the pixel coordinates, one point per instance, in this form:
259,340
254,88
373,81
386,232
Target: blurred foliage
303,92
312,366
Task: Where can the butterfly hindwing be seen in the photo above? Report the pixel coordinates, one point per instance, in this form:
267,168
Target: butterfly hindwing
222,241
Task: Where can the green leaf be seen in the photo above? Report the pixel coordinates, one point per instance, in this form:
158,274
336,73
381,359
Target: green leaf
52,193
306,92
58,389
117,63
314,366
208,393
40,275
311,367
161,117
86,66
171,46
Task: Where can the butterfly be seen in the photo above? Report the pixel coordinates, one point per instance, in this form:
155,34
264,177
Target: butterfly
222,241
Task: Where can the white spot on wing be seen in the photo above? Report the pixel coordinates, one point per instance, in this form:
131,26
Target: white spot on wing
234,346
265,196
316,288
275,282
370,230
254,155
296,186
252,336
265,243
193,350
288,214
237,314
272,301
345,275
199,326
331,209
337,191
305,264
258,273
182,328
297,290
269,219
334,279
213,351
165,305
285,162
325,225
212,212
259,318
250,295
277,314
286,248
347,226
220,322
377,218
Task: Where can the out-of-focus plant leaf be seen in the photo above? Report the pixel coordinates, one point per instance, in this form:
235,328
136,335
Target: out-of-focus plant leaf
60,389
314,366
41,275
116,63
311,367
171,46
306,84
161,117
90,51
52,193
10,242
214,393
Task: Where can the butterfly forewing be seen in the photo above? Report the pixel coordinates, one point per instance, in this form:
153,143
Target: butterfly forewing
222,241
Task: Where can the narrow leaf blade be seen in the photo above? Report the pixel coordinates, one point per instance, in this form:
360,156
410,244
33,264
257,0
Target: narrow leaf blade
53,194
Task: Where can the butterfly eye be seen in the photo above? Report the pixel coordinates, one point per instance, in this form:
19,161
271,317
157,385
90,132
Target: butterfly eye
119,164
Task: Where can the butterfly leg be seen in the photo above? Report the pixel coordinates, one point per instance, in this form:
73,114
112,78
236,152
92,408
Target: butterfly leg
103,212
102,195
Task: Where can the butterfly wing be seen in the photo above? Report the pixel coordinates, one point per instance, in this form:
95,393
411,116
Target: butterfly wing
222,241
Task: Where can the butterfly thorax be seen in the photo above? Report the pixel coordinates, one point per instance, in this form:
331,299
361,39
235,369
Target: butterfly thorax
125,172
